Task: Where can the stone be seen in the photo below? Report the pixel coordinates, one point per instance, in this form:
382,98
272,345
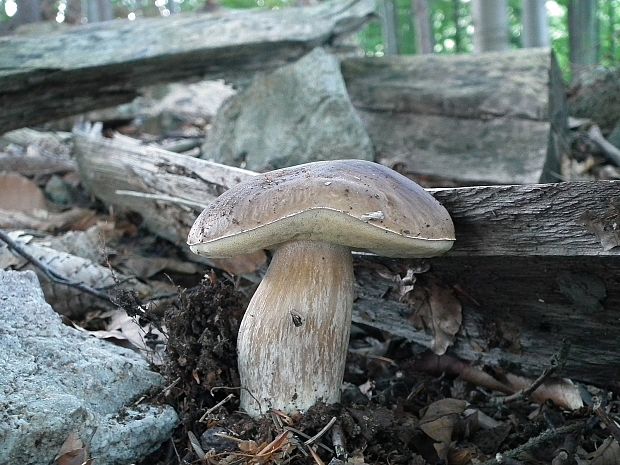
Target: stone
56,380
296,114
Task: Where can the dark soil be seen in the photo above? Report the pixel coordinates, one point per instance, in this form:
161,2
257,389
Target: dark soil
385,416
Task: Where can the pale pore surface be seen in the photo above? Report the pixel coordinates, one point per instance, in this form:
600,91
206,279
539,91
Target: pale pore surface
355,203
294,336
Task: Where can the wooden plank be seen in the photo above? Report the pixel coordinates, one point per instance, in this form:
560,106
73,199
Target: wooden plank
103,64
493,118
516,313
522,220
534,220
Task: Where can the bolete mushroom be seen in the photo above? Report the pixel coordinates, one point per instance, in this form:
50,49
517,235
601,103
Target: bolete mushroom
293,339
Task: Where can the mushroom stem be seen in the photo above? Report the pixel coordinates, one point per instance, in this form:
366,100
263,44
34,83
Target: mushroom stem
294,336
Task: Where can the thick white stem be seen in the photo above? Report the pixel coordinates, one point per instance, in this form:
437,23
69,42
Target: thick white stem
294,336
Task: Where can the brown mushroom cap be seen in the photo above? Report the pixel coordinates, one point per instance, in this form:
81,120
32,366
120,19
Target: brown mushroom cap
354,203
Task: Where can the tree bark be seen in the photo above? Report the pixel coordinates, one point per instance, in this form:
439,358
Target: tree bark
424,28
583,36
28,11
389,25
490,25
458,32
99,65
535,24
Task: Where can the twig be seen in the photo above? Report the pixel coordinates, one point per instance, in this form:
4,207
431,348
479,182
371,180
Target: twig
321,433
304,435
230,388
338,442
543,438
557,363
216,406
193,440
609,422
51,274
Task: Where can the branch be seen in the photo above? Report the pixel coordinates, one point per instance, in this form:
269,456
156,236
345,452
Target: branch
51,274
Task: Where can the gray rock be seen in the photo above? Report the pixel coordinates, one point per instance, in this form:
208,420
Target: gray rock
296,114
614,136
56,380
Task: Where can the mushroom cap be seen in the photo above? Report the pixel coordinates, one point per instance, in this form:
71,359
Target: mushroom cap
354,203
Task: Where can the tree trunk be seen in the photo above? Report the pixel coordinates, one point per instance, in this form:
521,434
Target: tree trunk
28,11
490,25
458,32
583,36
97,10
389,25
535,24
423,27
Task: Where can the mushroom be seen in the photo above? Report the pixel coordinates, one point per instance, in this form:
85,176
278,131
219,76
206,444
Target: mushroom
293,339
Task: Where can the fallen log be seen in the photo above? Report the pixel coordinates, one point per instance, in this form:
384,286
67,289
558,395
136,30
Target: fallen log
532,265
493,118
104,64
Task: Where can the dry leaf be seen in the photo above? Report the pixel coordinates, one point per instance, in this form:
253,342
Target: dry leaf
72,452
439,421
43,220
438,310
147,267
242,264
124,328
608,453
19,194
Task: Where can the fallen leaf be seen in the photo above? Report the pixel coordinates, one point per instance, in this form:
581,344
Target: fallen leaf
242,264
43,220
440,311
20,194
147,267
608,453
439,422
122,327
72,452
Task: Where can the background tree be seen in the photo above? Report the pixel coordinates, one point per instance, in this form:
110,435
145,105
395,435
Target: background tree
490,25
424,27
535,24
389,26
583,35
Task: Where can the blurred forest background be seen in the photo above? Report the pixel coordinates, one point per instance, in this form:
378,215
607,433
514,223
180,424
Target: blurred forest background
584,33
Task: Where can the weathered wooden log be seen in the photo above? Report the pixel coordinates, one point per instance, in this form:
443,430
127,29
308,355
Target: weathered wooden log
532,265
496,118
103,64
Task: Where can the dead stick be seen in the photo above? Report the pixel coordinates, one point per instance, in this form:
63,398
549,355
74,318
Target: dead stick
543,438
609,422
557,362
51,274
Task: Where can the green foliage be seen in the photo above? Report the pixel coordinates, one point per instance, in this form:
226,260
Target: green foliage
451,21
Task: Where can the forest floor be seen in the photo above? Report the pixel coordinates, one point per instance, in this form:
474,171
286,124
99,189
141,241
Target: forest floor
392,412
394,409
